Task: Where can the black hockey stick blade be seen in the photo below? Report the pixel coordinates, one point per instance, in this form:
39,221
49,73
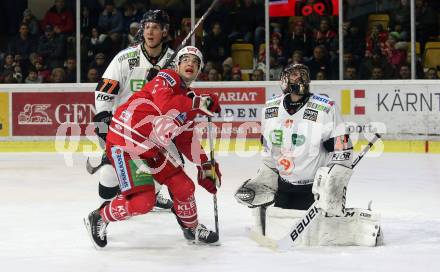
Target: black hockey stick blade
92,169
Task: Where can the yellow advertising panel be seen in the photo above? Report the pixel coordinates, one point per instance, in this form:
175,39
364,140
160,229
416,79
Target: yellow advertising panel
4,114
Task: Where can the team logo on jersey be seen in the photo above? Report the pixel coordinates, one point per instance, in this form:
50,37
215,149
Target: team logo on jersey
125,116
311,115
298,139
341,156
271,112
168,78
134,63
104,97
276,137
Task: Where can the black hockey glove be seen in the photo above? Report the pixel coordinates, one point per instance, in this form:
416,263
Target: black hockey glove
153,72
102,122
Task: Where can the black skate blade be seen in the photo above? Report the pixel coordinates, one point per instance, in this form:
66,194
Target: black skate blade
199,243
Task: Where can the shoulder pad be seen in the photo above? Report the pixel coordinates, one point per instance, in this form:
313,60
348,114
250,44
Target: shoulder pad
274,101
322,99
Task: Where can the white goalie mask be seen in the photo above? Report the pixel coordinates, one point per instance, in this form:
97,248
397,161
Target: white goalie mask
192,51
295,79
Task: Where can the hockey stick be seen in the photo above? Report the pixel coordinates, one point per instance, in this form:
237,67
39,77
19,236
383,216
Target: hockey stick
185,41
217,183
299,228
93,169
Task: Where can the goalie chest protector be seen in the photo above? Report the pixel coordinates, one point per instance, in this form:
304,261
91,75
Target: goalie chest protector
295,142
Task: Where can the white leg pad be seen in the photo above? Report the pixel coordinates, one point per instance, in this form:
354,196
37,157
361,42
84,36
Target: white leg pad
358,227
107,176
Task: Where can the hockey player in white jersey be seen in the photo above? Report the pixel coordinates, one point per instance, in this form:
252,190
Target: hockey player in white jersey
127,73
306,158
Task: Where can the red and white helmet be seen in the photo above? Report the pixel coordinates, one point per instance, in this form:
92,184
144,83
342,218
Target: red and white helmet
192,51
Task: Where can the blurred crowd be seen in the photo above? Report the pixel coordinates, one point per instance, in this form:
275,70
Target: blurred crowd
45,50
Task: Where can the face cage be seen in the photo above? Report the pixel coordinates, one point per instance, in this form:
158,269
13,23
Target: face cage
300,86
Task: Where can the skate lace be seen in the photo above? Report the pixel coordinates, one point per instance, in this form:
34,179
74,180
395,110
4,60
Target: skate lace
161,199
101,229
203,233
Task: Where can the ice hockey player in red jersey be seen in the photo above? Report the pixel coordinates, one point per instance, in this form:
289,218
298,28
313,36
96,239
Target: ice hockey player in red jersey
143,139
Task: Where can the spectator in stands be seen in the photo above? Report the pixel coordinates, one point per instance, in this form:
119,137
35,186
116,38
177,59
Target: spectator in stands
236,73
216,44
33,76
70,70
43,71
110,20
227,69
18,74
299,40
92,75
257,75
324,35
405,71
431,73
51,47
8,64
377,73
88,20
213,75
96,43
426,22
22,44
130,15
400,19
353,41
350,73
348,60
32,22
321,76
319,62
131,37
99,64
247,17
8,77
376,60
57,75
375,40
297,57
59,18
275,68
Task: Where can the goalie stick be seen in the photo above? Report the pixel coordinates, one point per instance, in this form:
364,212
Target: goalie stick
299,228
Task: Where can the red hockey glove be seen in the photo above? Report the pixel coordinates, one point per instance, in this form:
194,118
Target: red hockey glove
206,178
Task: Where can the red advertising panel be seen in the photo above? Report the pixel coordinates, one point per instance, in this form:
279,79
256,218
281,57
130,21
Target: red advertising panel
43,113
241,112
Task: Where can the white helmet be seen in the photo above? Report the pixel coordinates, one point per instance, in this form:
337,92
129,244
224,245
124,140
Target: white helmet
193,51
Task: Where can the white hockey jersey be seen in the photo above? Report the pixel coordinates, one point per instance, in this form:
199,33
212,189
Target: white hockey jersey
294,144
125,74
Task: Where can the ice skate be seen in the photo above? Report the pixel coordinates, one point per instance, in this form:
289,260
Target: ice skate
200,235
96,227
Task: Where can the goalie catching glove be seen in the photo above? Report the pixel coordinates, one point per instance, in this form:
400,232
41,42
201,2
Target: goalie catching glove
207,179
329,188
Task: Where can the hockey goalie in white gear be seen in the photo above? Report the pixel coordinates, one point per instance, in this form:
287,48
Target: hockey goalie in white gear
307,159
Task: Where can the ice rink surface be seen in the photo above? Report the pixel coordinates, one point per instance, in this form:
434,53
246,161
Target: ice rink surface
43,201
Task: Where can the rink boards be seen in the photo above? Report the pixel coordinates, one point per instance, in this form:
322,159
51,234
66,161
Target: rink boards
58,117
